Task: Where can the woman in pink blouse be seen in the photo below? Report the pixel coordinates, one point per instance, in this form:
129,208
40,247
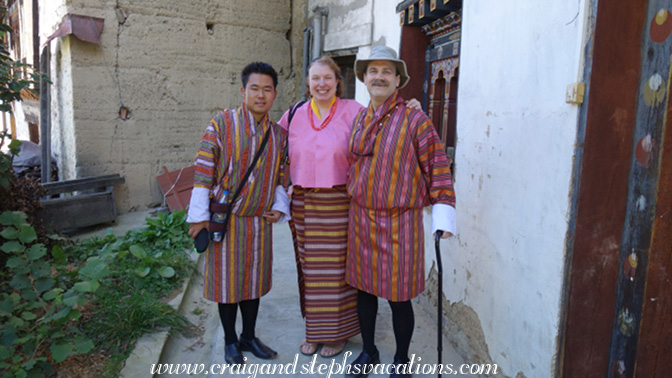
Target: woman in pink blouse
318,153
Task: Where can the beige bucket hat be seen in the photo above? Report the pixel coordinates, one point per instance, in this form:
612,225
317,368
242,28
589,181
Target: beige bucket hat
382,53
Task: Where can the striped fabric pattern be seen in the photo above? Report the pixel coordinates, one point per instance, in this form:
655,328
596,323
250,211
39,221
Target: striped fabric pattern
239,268
390,263
320,219
398,167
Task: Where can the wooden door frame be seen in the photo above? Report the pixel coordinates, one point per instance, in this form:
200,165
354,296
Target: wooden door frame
613,207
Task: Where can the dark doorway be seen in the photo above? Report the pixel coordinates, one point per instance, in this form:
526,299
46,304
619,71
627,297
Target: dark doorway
347,63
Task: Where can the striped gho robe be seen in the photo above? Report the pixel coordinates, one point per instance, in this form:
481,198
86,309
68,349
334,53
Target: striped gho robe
399,167
239,267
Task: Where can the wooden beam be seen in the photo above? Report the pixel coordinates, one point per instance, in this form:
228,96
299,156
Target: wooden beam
78,211
86,183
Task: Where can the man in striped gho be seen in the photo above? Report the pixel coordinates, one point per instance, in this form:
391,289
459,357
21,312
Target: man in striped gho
399,166
238,268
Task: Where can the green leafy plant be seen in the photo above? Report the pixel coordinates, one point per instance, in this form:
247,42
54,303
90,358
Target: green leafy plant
127,304
148,262
166,232
6,159
152,258
23,193
18,194
170,230
37,307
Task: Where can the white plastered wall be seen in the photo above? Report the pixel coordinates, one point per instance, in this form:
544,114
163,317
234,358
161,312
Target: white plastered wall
63,138
514,155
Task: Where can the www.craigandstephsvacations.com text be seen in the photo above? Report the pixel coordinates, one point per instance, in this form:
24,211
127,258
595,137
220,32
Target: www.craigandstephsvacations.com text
327,370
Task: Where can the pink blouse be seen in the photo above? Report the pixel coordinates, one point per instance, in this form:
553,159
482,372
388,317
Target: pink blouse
319,159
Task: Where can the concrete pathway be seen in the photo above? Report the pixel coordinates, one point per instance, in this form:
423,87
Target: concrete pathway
279,325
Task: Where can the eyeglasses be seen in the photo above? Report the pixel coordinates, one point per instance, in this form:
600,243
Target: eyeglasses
362,155
368,149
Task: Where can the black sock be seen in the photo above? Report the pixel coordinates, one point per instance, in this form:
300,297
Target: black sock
249,309
367,310
227,314
403,322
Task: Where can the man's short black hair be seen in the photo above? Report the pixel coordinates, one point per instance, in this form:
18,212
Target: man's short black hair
259,68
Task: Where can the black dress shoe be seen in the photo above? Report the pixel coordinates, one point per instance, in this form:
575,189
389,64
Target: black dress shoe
233,355
400,369
358,368
257,348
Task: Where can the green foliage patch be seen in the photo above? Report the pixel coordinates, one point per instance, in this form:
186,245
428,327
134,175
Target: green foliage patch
88,296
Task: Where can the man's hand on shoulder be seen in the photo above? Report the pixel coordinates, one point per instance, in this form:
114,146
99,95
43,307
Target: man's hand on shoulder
414,104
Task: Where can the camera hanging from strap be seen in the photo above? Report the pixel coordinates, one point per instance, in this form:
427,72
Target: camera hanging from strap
227,207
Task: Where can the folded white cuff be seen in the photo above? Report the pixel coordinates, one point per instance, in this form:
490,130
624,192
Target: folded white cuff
281,203
199,205
443,218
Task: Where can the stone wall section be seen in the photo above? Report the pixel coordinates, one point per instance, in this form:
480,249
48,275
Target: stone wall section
172,64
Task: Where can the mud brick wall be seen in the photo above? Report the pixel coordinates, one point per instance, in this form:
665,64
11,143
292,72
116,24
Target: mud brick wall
170,65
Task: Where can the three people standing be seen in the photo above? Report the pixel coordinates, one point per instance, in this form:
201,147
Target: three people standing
361,177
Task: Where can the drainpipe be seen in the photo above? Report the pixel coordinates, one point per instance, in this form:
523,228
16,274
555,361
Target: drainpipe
319,21
36,33
45,115
307,32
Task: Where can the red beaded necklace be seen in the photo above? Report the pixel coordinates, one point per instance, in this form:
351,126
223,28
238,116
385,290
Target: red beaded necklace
324,124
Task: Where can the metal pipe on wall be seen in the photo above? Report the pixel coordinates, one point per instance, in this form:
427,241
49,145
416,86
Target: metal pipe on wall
307,32
319,21
317,38
45,114
36,33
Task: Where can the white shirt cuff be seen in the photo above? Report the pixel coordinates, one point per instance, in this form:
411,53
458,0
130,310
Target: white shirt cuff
443,218
199,205
281,203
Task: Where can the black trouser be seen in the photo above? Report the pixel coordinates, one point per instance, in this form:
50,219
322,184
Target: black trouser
227,314
403,322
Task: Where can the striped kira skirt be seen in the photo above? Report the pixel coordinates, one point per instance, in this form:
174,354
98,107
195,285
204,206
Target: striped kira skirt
319,228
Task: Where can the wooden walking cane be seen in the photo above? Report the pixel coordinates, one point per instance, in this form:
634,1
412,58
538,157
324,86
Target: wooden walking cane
439,299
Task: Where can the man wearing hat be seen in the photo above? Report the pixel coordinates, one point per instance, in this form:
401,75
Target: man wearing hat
399,166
